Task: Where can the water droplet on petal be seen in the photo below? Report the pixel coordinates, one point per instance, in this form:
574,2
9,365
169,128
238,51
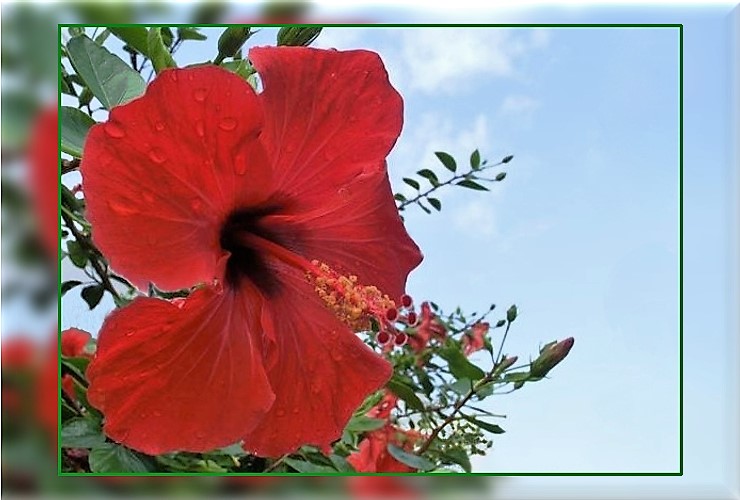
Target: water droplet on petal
315,389
336,356
159,126
294,411
240,164
196,204
114,130
173,75
157,413
121,208
200,435
280,413
129,333
200,128
157,156
227,124
200,95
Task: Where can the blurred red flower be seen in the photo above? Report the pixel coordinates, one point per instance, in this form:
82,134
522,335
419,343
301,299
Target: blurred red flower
278,206
429,328
474,339
44,163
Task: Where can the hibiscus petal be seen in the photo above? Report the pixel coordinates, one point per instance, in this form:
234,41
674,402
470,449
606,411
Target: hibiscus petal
181,377
320,371
166,169
359,232
330,115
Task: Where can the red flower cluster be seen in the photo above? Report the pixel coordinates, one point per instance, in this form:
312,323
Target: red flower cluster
429,328
475,338
277,207
74,341
373,455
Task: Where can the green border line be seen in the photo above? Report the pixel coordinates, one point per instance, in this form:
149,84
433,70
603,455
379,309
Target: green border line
680,471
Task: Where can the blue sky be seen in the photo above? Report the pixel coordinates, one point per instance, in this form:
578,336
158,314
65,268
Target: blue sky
583,233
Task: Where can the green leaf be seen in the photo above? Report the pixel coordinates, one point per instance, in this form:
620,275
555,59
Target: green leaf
423,207
187,33
158,52
110,79
77,254
405,392
475,160
462,386
92,295
240,67
411,182
362,423
459,364
500,176
429,175
69,285
340,463
399,197
458,456
492,428
447,160
75,126
308,467
435,203
472,185
135,37
415,461
517,377
82,433
102,37
110,457
507,159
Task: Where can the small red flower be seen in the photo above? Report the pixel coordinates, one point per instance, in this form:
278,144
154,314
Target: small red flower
383,409
474,339
18,353
373,455
429,328
278,206
74,341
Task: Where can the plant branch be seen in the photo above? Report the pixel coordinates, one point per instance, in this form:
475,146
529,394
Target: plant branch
86,242
437,186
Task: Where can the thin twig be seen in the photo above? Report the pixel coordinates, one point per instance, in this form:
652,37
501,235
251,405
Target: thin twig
86,242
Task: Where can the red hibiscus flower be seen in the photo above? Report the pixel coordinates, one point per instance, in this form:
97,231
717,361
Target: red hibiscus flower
429,328
44,163
373,456
278,206
474,339
74,341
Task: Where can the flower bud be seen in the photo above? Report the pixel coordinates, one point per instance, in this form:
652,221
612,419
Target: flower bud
231,41
507,362
550,355
297,36
511,314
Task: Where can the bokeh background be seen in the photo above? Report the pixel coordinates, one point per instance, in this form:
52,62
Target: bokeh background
582,235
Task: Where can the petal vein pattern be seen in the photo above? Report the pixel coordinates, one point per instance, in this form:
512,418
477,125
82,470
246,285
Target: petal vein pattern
204,183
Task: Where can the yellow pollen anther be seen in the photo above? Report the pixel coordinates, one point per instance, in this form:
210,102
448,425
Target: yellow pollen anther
352,303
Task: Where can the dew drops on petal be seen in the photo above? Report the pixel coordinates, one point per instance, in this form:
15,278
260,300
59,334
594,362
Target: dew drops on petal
280,413
200,94
157,156
114,130
173,76
227,124
196,204
121,208
200,128
159,126
157,413
240,164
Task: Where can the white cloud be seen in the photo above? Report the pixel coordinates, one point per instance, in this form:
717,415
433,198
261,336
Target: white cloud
520,108
476,218
443,60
